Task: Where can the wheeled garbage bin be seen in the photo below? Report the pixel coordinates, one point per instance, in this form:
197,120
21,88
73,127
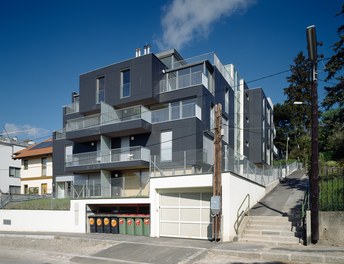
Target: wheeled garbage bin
138,227
146,227
92,222
122,226
114,225
106,224
130,226
100,226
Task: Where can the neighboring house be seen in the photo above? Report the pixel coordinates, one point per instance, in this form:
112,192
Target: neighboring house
36,168
10,169
140,135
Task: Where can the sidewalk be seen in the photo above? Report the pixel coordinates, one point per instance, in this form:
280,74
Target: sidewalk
257,252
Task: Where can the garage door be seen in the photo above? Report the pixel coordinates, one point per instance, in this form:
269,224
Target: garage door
185,215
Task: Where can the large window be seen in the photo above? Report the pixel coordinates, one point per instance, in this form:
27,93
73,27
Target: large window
166,145
26,164
100,95
125,83
44,166
14,172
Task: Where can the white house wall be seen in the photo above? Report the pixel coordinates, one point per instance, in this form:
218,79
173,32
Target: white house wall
6,161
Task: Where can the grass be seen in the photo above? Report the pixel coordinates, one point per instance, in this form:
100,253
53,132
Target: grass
41,204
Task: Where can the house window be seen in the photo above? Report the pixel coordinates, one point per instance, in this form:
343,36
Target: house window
125,83
166,145
44,166
14,189
26,164
14,172
100,95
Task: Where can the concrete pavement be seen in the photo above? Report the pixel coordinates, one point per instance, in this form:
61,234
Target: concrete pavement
139,249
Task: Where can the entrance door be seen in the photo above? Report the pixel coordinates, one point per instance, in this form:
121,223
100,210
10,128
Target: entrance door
44,188
26,189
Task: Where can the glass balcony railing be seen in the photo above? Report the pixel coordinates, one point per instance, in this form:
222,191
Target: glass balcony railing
183,81
109,117
111,156
72,108
176,113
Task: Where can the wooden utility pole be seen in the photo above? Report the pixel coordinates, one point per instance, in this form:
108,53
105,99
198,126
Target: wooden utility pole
217,186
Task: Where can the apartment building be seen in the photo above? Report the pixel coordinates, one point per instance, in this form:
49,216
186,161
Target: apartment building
259,130
10,169
36,168
139,134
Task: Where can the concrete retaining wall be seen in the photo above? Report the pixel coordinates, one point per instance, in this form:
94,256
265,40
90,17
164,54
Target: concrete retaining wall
331,228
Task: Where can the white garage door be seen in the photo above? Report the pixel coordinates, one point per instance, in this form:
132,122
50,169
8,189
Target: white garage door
185,215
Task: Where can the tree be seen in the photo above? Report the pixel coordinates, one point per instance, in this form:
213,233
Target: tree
333,119
299,90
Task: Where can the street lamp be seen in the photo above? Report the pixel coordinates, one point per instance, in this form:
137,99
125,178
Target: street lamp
314,185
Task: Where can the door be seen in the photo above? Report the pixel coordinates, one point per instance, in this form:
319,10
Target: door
44,188
185,214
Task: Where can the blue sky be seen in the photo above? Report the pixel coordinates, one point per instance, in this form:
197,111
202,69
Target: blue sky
46,45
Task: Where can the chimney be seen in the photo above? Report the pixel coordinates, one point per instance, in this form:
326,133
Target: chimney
148,48
137,52
144,49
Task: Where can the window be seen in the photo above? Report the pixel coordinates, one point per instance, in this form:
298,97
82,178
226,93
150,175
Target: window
212,117
125,83
68,154
227,100
166,145
100,96
15,172
14,189
26,164
44,166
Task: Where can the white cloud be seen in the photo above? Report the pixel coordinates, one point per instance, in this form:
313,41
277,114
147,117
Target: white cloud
184,20
25,132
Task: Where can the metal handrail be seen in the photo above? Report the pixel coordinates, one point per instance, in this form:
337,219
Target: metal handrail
241,212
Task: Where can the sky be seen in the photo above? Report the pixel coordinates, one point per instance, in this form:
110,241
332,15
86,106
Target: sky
46,45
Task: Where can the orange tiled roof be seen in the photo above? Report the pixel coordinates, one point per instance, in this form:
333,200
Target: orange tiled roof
40,149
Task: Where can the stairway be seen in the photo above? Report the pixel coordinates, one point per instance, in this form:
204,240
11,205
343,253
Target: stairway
276,230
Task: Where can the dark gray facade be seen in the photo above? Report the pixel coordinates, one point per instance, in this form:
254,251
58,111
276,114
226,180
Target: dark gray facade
154,107
259,127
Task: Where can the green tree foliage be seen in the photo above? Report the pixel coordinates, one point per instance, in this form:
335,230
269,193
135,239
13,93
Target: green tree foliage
298,116
332,135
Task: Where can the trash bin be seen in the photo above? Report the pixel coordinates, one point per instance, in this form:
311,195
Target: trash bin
138,227
100,226
114,225
130,226
92,222
106,224
122,226
146,227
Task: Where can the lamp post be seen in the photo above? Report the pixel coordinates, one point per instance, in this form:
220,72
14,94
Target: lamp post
314,173
286,158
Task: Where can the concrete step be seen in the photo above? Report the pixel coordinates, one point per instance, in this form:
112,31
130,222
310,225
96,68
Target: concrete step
271,232
271,239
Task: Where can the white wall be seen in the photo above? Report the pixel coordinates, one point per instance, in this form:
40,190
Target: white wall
6,151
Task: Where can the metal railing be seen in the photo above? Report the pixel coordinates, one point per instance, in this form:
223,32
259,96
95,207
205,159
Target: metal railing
241,213
113,155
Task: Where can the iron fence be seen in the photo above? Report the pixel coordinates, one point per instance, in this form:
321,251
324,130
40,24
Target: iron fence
331,186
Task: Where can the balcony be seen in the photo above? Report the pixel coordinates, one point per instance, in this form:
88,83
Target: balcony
182,82
110,122
72,108
121,158
121,187
173,113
